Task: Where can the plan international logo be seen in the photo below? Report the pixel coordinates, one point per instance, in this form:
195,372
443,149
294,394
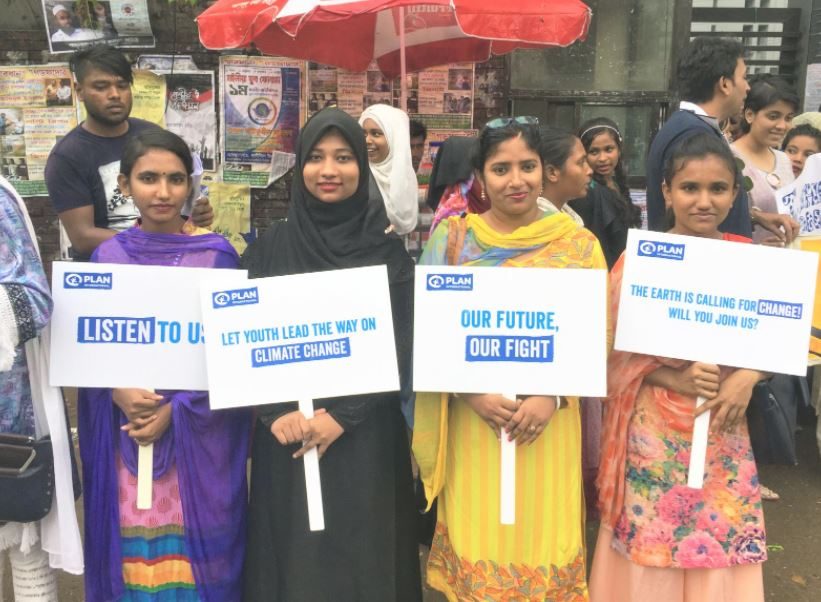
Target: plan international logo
241,296
662,250
78,280
450,282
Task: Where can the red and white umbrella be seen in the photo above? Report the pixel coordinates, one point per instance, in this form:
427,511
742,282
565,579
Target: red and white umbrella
401,35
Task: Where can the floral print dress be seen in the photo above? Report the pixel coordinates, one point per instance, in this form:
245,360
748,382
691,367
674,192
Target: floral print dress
656,519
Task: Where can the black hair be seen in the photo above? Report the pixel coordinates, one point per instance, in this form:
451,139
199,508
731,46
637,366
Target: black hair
491,138
556,145
703,63
805,129
766,90
588,132
102,57
700,146
418,129
155,138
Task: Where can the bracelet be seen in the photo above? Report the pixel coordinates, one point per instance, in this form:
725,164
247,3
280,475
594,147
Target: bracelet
559,404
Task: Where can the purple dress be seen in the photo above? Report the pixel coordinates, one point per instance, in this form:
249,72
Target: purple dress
207,450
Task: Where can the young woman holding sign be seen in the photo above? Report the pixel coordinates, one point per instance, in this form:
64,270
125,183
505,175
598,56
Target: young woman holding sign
541,556
368,549
190,544
659,539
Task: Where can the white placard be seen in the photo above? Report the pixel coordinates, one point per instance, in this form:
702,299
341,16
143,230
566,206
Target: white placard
130,325
732,304
325,334
802,198
533,331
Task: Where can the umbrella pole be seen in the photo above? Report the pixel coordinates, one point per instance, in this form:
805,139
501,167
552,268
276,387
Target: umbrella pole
403,68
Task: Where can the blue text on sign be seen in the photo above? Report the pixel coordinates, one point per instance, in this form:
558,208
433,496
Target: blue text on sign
241,296
300,352
450,282
663,250
779,309
138,331
78,280
501,348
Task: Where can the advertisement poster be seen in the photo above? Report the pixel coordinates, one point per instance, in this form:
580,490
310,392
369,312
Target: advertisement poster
74,24
183,103
36,109
166,62
261,114
479,329
699,299
191,114
232,212
351,92
441,97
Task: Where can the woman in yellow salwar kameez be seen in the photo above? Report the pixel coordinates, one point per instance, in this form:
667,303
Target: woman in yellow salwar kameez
541,556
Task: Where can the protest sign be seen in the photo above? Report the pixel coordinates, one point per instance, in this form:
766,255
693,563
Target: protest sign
812,244
129,325
36,109
263,106
74,25
802,198
300,338
302,333
706,300
510,331
486,330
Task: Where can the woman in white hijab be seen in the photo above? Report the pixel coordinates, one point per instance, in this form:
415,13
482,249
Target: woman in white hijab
387,136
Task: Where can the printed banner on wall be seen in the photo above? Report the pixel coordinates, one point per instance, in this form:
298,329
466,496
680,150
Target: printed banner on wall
262,110
36,109
75,24
732,304
232,212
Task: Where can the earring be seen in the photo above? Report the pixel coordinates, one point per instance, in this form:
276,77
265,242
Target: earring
484,198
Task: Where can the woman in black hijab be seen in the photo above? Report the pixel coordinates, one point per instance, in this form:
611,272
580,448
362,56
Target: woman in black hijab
367,551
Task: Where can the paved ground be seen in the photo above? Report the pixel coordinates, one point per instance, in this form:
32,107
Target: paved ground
793,572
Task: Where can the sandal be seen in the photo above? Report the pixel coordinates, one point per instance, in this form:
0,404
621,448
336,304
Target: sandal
768,494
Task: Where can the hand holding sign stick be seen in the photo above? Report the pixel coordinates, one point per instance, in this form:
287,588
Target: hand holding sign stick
313,485
507,480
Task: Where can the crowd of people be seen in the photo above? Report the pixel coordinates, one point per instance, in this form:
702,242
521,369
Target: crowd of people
521,194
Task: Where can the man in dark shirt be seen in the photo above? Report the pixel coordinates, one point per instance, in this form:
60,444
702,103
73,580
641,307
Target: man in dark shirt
712,79
82,168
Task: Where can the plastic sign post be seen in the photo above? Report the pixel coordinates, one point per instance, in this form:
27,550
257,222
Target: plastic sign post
508,475
316,516
698,449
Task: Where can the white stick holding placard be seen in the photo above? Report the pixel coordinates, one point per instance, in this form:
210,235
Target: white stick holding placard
698,448
507,480
313,486
145,474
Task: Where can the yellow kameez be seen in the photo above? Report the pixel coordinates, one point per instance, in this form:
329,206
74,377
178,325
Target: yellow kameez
474,557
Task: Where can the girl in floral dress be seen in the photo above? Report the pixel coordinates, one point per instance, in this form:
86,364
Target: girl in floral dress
659,539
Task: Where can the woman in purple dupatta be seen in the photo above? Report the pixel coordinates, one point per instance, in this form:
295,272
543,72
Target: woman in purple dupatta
190,545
